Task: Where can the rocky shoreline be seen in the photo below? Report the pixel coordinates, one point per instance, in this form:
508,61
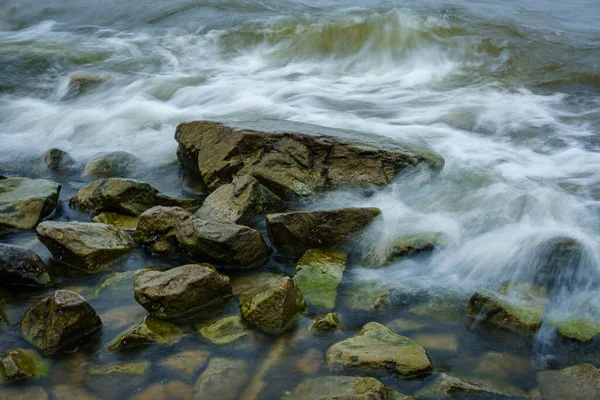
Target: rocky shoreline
221,287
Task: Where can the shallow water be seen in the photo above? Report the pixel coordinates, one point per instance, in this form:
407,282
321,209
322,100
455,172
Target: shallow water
507,92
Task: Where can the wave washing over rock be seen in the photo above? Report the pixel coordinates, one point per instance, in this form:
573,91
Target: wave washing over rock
367,182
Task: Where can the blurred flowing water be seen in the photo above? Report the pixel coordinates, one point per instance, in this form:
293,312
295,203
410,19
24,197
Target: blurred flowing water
507,92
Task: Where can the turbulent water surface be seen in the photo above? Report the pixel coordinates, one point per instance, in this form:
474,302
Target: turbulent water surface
508,92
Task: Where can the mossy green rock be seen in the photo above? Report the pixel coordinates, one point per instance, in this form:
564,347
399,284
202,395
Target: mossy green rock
227,331
19,364
223,379
124,222
275,309
418,243
377,348
133,369
151,330
59,320
116,163
344,388
87,246
578,382
580,329
181,290
516,306
448,387
25,202
366,296
318,275
22,267
328,323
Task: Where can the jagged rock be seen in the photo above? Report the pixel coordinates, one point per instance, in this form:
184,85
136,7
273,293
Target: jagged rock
377,348
328,323
223,379
227,331
187,362
25,202
56,159
226,245
516,306
449,387
294,159
275,309
125,196
88,246
115,164
366,296
19,365
22,267
318,275
166,391
149,331
239,202
59,320
125,222
581,329
578,382
296,232
344,388
180,290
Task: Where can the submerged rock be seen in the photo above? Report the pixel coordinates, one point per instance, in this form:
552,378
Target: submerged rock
377,348
449,387
149,331
418,243
578,382
59,320
24,393
366,296
400,325
181,290
22,267
294,159
115,164
81,84
344,388
516,306
239,202
88,246
176,390
275,309
502,366
56,159
561,259
445,342
227,331
187,362
251,283
124,222
580,329
114,279
25,202
318,275
19,365
296,232
329,323
223,379
125,196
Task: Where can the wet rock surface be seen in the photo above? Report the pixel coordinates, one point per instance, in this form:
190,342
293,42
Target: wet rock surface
318,275
124,222
343,387
447,386
150,331
115,164
578,382
227,331
223,378
22,267
20,365
326,324
56,159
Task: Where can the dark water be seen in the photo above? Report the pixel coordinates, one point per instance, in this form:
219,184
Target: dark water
507,92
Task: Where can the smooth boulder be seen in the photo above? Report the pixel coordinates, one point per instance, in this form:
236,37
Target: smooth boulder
377,348
114,164
125,196
276,309
293,159
87,246
318,275
59,320
578,382
22,267
344,388
180,290
296,232
25,202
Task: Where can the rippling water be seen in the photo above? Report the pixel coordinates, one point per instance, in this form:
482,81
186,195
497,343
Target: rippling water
507,92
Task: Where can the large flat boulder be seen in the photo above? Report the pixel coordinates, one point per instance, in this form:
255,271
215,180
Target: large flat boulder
87,246
125,196
293,159
22,267
25,202
376,348
296,232
578,382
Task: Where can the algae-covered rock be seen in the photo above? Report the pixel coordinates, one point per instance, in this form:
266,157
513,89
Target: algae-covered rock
318,275
296,232
343,388
366,296
56,159
227,331
377,348
88,246
59,320
124,222
114,164
578,382
581,329
516,306
187,362
223,379
328,323
149,331
19,365
418,243
22,267
125,196
252,282
275,309
156,227
180,290
449,387
239,202
559,263
25,202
